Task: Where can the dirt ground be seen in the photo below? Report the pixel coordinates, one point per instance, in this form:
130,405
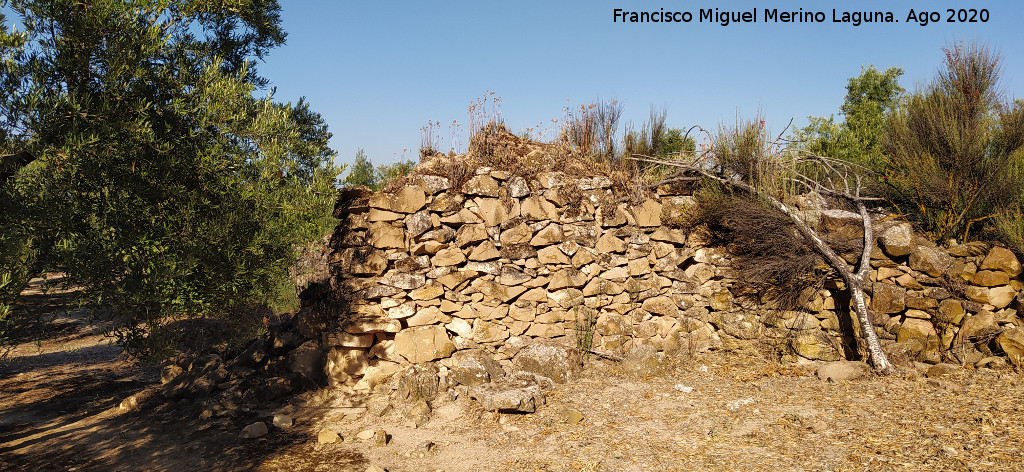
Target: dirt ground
60,391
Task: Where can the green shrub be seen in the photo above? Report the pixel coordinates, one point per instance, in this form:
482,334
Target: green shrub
954,150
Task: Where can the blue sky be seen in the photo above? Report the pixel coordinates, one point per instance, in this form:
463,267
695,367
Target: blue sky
378,71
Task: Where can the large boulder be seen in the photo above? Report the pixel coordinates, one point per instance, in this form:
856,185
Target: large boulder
898,240
549,359
927,258
306,360
473,367
423,343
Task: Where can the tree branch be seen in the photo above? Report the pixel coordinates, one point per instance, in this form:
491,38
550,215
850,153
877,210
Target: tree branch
12,163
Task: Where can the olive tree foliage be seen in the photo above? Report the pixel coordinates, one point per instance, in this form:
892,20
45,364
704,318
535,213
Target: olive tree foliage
746,160
138,159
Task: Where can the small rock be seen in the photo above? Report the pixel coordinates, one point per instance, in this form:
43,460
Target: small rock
843,370
569,415
129,403
254,430
380,438
683,388
169,372
940,370
992,362
425,446
365,434
375,468
283,421
419,413
327,436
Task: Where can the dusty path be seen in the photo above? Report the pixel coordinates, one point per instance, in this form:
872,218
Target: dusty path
60,397
60,392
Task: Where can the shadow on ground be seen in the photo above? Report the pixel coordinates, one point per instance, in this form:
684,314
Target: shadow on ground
60,396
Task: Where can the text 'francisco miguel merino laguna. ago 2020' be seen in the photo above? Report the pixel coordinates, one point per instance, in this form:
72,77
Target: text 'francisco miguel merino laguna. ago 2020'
774,15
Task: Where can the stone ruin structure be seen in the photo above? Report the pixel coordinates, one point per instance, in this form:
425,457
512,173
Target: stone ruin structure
495,275
480,281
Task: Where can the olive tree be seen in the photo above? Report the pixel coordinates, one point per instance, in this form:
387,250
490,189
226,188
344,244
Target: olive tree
141,156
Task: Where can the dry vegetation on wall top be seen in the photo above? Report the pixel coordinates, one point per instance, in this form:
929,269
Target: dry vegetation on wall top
496,148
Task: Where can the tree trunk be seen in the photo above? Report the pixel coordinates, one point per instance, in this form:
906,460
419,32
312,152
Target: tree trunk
854,282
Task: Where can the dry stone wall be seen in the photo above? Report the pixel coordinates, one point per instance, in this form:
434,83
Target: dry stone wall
468,276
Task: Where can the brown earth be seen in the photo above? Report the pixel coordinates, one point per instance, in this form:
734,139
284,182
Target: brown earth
61,388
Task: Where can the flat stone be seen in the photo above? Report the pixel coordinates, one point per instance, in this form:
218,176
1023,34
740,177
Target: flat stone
567,298
539,208
449,256
518,234
492,211
483,185
990,278
649,214
551,234
403,280
608,243
326,436
1002,259
669,235
470,234
423,344
843,370
888,298
661,305
521,396
552,255
373,325
386,236
435,184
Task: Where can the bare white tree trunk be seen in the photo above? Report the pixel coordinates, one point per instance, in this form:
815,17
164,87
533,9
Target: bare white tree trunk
854,281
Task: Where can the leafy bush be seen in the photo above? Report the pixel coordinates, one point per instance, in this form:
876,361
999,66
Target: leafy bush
953,151
157,180
858,138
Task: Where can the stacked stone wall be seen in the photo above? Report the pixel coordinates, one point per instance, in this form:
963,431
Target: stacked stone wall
425,272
